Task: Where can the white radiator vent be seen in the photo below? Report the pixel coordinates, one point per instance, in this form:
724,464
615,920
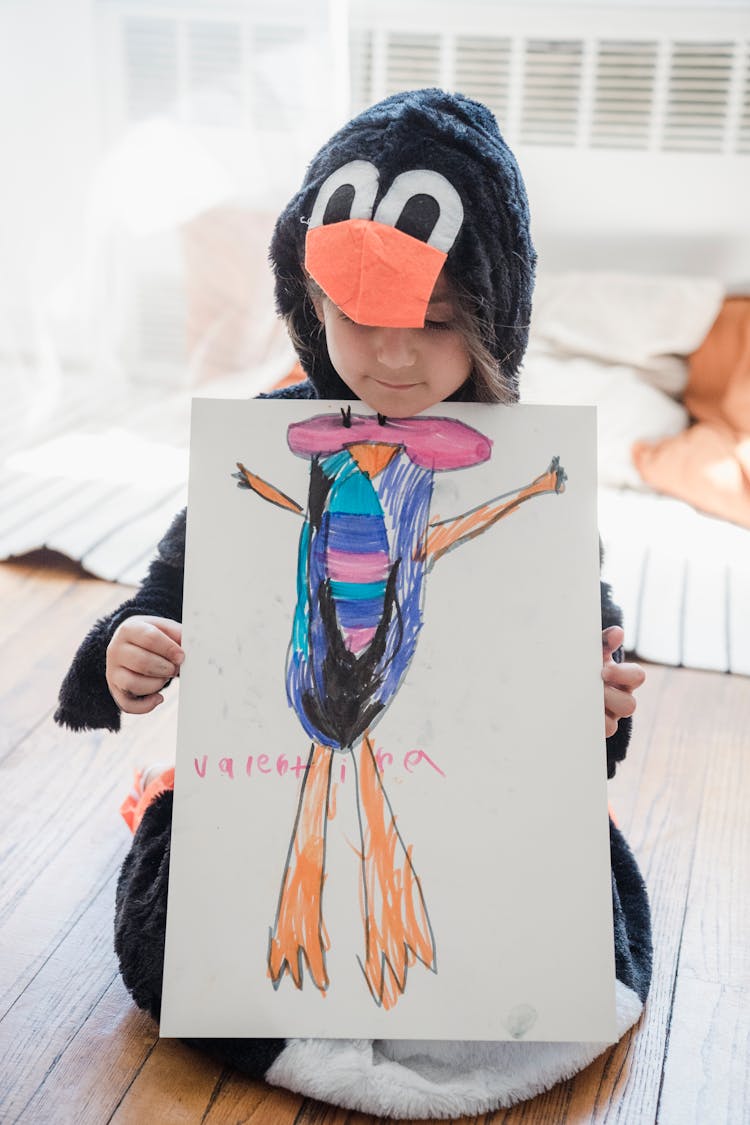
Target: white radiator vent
150,48
623,98
412,61
551,92
699,79
743,131
482,70
361,62
649,94
217,73
670,95
247,83
214,72
647,81
278,77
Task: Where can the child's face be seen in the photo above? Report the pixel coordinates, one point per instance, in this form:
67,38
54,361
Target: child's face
399,371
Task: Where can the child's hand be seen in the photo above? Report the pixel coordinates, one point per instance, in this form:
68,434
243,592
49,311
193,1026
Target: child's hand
620,681
143,654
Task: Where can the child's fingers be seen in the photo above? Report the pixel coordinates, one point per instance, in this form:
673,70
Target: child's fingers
143,662
161,636
626,676
136,705
610,724
144,653
620,681
172,628
612,638
618,703
158,635
130,683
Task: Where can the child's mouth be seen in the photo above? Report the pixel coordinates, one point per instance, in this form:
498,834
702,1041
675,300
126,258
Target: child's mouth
395,386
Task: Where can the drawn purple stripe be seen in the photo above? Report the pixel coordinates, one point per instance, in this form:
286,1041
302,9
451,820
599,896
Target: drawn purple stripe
361,534
359,614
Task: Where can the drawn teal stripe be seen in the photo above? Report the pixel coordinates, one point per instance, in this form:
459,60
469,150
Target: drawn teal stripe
302,610
357,591
354,495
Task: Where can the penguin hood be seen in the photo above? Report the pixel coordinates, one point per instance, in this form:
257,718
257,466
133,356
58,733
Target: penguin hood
416,182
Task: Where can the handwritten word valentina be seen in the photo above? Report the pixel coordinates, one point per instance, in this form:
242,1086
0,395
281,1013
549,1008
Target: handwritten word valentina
264,764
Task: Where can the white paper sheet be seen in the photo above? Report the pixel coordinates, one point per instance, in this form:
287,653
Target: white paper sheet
491,749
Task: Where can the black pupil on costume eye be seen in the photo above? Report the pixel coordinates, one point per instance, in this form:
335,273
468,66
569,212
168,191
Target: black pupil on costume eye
419,216
339,206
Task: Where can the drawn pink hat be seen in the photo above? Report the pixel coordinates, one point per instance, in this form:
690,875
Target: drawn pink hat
432,443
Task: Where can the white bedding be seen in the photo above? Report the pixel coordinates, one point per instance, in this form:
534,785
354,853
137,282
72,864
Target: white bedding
649,323
619,342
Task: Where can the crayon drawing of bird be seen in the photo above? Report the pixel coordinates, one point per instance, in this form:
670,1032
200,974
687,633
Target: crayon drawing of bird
366,545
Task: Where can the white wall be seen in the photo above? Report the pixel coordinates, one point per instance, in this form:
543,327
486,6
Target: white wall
640,212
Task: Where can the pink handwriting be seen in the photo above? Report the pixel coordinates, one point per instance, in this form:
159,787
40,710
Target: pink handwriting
281,765
413,757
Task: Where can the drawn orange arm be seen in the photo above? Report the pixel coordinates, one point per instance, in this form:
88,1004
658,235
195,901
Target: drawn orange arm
246,479
444,535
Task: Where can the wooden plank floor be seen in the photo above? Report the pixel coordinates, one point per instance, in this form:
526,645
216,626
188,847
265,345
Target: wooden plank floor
73,1048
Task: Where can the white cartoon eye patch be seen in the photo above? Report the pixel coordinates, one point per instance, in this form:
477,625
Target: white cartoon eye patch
359,175
420,186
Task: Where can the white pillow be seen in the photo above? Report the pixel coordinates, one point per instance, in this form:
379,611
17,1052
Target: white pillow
629,409
646,322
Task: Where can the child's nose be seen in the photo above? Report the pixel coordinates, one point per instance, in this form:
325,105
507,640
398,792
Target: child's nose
394,347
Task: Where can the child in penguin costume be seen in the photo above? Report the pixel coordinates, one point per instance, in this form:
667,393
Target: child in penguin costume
412,222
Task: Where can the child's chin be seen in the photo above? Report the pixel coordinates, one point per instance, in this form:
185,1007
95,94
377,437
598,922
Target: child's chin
398,404
394,412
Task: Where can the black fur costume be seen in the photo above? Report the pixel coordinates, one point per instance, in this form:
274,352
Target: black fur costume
495,264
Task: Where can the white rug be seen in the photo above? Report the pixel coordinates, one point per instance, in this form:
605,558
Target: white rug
682,579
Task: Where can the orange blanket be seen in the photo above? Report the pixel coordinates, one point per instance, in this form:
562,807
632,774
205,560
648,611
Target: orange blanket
709,464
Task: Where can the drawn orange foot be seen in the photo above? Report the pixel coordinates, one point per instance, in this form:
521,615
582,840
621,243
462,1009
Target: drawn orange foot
397,927
299,935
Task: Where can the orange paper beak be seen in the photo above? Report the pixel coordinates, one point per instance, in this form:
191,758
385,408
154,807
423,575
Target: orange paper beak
377,275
